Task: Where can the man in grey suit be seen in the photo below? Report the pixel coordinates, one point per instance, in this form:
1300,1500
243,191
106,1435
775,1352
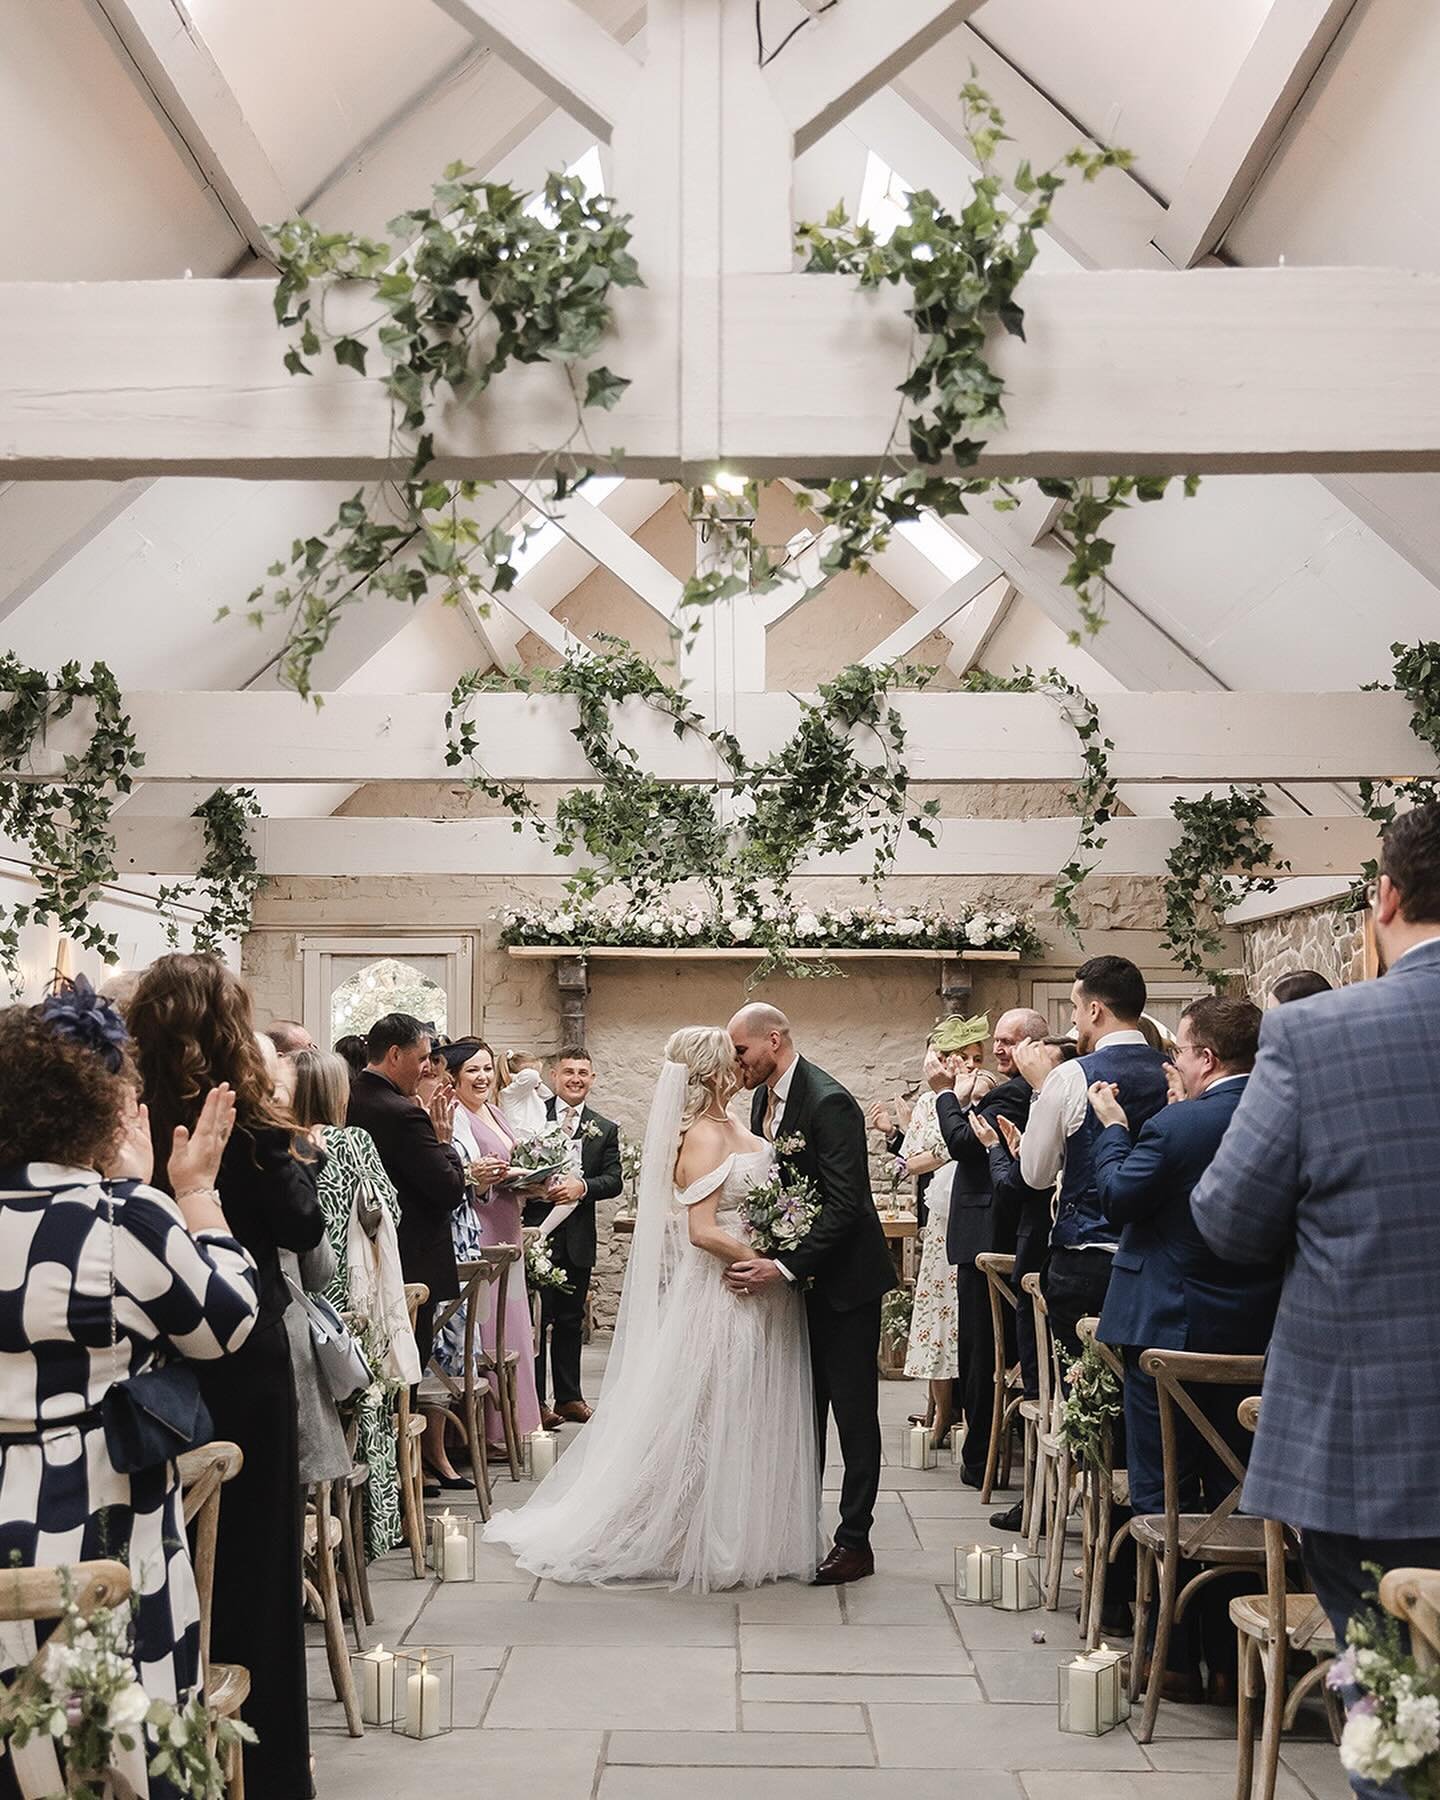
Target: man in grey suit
1333,1161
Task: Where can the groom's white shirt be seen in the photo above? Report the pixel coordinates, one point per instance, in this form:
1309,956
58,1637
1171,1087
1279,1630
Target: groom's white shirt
781,1090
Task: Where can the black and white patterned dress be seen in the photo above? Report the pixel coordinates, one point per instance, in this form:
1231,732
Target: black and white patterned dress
61,1501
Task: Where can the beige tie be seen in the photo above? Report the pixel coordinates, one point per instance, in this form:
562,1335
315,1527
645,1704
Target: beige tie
771,1108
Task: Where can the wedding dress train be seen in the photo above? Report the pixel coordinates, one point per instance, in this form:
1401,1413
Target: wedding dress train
699,1468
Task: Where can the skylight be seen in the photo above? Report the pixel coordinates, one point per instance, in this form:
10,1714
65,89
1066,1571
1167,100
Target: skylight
540,543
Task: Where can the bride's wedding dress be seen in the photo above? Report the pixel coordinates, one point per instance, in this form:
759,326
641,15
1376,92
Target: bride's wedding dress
699,1467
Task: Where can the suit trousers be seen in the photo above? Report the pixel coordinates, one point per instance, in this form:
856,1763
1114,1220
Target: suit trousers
1336,1567
975,1389
844,1356
562,1324
1074,1285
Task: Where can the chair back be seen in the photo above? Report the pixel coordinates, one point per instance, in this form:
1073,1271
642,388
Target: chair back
997,1270
35,1594
1413,1596
1044,1350
489,1270
203,1472
1175,1374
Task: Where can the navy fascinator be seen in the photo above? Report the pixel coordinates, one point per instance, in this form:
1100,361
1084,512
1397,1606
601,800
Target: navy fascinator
76,1012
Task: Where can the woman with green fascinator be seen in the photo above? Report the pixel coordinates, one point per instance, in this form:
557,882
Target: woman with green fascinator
955,1047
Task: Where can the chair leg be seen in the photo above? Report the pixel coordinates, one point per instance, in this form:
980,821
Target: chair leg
1055,1565
362,1561
1164,1620
473,1420
997,1427
509,1416
335,1651
345,1509
1144,1590
235,1774
1100,1576
1245,1694
412,1506
1027,1477
1037,1521
1273,1665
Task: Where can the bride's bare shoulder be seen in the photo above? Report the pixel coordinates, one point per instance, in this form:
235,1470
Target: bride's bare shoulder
703,1147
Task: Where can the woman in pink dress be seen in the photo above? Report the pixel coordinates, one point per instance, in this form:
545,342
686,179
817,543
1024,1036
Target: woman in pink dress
493,1216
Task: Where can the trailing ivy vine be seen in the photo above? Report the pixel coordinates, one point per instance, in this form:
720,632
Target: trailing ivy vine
63,825
1214,865
1417,675
228,879
490,278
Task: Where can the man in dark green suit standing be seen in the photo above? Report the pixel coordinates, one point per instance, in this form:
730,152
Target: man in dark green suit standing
819,1131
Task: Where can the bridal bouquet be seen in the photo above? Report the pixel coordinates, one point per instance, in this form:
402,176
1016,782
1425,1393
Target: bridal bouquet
779,1212
1394,1728
542,1155
540,1270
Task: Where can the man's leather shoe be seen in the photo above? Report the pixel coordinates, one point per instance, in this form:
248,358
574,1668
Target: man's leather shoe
844,1563
574,1412
972,1479
1009,1520
550,1421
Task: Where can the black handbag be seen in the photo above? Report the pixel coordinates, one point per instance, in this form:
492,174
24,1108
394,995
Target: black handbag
150,1418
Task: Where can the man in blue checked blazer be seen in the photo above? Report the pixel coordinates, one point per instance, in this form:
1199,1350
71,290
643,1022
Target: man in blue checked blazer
1333,1161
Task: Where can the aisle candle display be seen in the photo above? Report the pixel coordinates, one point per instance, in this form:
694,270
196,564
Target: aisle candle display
440,1528
375,1677
455,1550
1019,1588
975,1573
540,1451
919,1446
427,1682
1093,1696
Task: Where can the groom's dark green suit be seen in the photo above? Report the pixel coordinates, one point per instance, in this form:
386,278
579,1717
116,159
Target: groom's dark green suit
846,1260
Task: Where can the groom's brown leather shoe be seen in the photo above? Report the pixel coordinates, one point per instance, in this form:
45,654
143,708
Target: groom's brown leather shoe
574,1412
845,1564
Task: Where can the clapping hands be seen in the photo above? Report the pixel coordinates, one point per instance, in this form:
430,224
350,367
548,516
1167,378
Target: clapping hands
1105,1104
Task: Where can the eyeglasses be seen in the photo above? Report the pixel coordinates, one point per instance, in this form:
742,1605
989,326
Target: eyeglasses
1372,892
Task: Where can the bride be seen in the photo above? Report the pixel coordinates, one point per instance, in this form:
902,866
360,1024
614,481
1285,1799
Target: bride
699,1467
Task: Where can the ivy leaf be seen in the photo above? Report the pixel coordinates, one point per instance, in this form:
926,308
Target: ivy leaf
603,388
350,354
294,364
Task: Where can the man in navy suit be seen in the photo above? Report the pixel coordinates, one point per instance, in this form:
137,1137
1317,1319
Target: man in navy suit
1168,1291
1331,1162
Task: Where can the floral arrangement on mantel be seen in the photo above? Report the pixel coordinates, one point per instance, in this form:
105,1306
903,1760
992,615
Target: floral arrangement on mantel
584,924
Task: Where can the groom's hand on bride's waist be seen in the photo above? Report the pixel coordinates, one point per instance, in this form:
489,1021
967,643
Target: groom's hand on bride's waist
757,1272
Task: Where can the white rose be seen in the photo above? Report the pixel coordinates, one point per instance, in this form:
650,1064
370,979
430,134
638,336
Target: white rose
807,925
741,930
693,927
129,1707
910,927
977,932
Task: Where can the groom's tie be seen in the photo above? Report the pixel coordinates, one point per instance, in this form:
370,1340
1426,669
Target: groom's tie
770,1114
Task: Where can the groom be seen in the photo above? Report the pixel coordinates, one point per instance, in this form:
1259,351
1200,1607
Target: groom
819,1131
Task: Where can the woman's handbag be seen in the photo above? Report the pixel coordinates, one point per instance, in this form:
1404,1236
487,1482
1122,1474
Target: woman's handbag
149,1418
368,1208
337,1350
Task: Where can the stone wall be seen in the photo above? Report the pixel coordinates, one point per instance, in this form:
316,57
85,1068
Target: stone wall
1330,939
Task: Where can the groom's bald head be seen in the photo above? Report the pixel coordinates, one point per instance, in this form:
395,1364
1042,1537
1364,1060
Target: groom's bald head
764,1045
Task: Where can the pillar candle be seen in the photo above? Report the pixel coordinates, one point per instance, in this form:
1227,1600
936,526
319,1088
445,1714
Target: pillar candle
456,1565
1108,1661
422,1704
919,1447
542,1454
377,1699
1016,1581
978,1583
1083,1691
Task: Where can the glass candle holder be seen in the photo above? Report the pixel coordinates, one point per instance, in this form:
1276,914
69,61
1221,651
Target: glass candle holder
452,1547
538,1451
437,1527
977,1573
1094,1692
424,1693
1018,1586
373,1672
917,1448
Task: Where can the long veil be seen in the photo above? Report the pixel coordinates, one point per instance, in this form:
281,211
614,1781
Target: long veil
583,1477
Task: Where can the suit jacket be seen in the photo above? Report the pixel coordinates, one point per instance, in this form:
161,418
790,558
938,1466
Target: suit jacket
429,1179
1331,1162
1168,1290
575,1243
845,1251
974,1228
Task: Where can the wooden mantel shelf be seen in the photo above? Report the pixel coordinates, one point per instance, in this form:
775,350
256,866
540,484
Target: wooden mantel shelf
740,953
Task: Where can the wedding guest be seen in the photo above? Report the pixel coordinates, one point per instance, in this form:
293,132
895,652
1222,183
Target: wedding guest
1106,1002
1303,984
288,1036
193,1030
1329,1164
975,1227
76,1203
522,1095
362,1217
485,1139
520,1061
594,1173
415,1147
352,1049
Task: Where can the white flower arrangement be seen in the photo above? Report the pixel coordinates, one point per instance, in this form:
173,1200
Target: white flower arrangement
1392,1726
584,923
540,1270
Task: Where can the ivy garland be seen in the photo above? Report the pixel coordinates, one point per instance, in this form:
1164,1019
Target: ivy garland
490,279
1417,676
64,825
229,876
1213,866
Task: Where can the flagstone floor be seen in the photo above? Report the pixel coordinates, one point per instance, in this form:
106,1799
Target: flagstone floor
883,1691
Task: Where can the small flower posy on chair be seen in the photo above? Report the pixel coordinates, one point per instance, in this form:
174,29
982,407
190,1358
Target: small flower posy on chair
1393,1729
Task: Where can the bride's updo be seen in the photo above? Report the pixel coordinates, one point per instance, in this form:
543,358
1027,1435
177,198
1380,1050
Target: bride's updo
708,1054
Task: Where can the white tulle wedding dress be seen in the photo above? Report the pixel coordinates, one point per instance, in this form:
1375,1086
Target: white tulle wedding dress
699,1467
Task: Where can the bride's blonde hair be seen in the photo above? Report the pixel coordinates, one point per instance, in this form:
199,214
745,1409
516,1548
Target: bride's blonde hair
714,1075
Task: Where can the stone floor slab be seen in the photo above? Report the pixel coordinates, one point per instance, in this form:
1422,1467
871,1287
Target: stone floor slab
454,1617
804,1784
852,1650
790,1602
1157,1785
1318,1766
1216,1756
743,1749
895,1602
560,1765
949,1503
891,1690
987,1628
779,1715
1009,1677
638,1688
993,1737
475,1671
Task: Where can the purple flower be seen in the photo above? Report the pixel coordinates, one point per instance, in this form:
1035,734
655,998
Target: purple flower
1366,1705
1342,1672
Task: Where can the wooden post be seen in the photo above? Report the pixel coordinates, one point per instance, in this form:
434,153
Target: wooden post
572,979
954,989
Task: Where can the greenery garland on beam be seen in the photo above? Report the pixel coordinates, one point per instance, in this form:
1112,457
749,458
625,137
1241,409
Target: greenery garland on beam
64,826
226,883
1214,865
1416,670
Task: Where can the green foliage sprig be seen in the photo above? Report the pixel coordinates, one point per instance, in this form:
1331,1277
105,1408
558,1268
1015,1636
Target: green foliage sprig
489,279
1213,866
65,826
228,879
1417,676
897,1310
1091,1407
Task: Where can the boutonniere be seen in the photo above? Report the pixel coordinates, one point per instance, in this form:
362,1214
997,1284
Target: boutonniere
592,1130
791,1145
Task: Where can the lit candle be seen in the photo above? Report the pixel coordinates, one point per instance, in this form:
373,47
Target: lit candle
919,1447
1083,1688
542,1454
422,1703
978,1581
1107,1662
456,1564
440,1529
377,1701
1016,1581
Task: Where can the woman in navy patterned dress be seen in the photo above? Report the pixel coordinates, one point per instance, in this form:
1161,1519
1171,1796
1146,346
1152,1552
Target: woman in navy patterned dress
76,1212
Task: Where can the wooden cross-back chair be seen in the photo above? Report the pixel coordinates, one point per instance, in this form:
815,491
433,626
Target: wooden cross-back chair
324,1538
1104,1488
1219,1541
997,1270
1413,1596
409,1429
1268,1627
483,1281
203,1473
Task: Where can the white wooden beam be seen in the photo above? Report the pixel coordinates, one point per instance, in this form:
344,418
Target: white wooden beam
1289,48
532,617
1181,738
849,53
971,633
968,591
184,86
559,49
492,847
1212,370
612,547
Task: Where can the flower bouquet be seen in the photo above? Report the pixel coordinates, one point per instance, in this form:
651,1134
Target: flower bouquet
778,1212
1092,1404
1393,1729
896,1311
540,1270
540,1157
